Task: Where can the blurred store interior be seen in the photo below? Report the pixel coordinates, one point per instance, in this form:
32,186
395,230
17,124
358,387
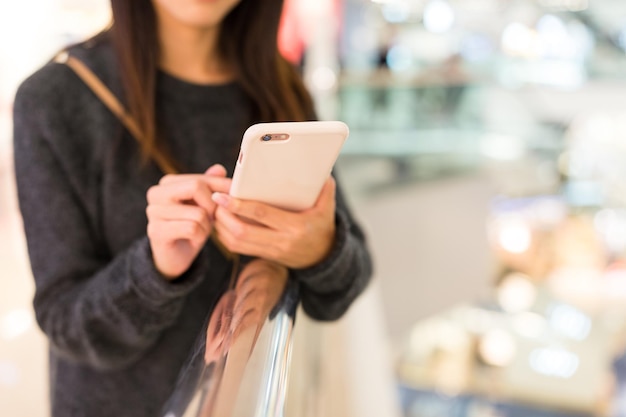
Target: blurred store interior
487,162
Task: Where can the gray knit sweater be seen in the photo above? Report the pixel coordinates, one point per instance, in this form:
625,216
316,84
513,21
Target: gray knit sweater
118,331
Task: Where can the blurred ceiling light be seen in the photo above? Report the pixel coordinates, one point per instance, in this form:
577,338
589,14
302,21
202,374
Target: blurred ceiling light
514,235
497,348
519,40
516,293
561,74
476,47
554,362
396,11
554,38
15,323
570,322
438,16
582,38
323,79
399,58
571,41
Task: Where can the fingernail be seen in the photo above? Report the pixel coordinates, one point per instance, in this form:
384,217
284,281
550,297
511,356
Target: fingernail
220,198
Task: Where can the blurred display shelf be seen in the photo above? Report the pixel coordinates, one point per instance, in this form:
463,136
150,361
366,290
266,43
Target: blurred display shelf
521,358
550,339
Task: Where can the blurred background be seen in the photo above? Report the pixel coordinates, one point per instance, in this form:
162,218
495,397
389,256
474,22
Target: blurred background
487,162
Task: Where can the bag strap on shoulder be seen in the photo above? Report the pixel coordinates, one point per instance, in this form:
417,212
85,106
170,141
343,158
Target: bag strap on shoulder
101,91
113,104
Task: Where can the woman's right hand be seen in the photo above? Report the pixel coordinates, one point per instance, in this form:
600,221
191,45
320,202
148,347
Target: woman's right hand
180,217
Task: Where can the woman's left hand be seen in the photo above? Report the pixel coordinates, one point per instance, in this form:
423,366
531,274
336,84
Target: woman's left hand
294,239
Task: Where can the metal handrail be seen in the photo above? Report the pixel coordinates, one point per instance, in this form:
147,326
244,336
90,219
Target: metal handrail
240,364
273,400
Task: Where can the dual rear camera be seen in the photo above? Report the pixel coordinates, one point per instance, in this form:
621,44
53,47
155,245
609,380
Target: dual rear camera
274,137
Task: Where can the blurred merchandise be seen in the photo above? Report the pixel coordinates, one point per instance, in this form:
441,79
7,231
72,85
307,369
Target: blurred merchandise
557,318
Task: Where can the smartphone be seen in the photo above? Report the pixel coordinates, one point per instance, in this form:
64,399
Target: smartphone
286,164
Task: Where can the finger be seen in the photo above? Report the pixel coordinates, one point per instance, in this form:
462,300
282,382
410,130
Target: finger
174,178
251,319
216,170
215,182
182,192
168,231
251,290
245,232
252,302
263,295
180,212
255,271
246,302
221,315
218,326
261,213
256,304
243,247
221,186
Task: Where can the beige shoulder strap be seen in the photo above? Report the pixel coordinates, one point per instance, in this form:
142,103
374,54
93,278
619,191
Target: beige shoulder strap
114,105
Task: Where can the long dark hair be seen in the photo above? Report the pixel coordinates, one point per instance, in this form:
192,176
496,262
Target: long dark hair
247,42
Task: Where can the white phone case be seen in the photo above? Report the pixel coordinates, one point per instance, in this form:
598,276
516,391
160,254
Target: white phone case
290,169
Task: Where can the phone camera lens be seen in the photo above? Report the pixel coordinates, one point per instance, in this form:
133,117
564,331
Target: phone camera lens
266,138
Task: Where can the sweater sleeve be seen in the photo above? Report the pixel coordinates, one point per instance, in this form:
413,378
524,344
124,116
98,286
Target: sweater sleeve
95,310
329,288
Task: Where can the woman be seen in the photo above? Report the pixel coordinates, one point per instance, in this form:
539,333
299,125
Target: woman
122,299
